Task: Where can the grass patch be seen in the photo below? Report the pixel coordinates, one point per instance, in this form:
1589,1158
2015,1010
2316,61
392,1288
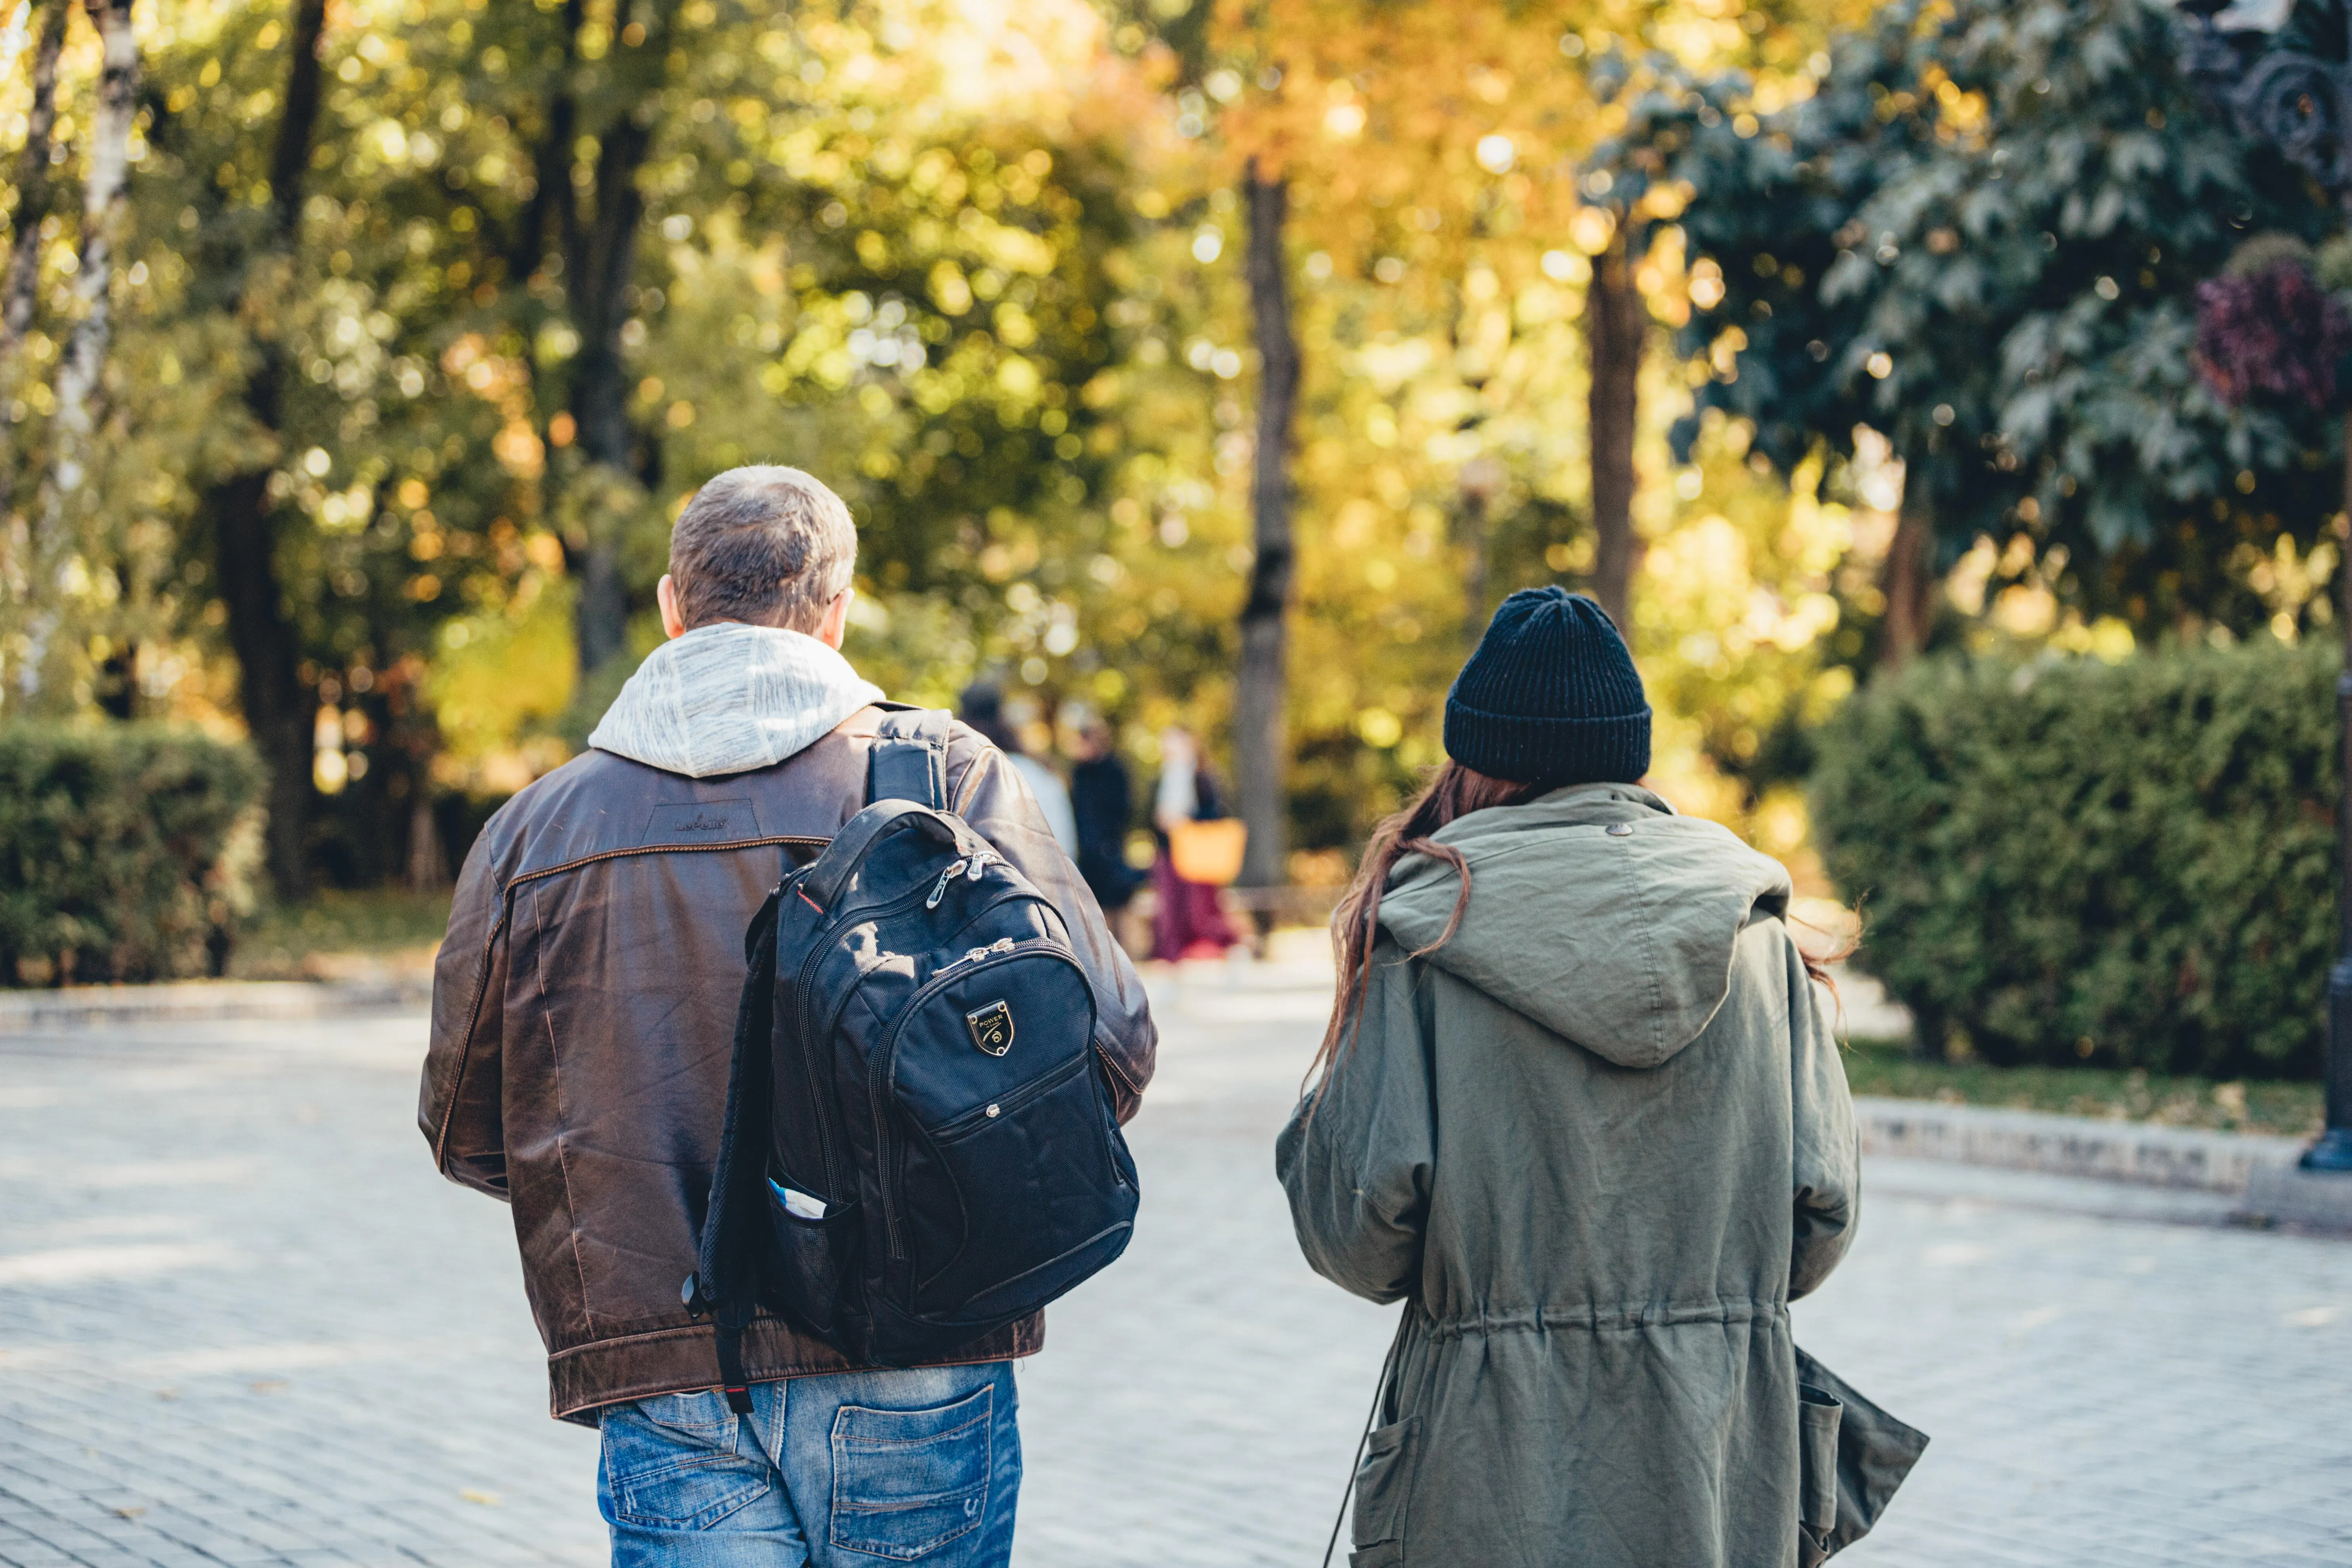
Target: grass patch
306,941
2252,1105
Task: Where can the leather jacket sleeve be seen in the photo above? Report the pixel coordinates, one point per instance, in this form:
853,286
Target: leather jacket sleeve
459,1108
990,796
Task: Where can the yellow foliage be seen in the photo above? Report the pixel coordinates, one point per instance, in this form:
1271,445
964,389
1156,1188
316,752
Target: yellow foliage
497,680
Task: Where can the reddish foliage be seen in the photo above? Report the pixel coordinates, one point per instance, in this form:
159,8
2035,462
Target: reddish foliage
2275,331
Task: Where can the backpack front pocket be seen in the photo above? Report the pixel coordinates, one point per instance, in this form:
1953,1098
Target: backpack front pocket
1001,1181
1022,1178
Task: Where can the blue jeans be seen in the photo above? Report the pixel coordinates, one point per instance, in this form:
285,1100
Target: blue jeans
853,1470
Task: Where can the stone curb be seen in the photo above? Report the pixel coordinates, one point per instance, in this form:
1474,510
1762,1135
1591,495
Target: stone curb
2282,1195
2069,1145
2258,1170
103,1007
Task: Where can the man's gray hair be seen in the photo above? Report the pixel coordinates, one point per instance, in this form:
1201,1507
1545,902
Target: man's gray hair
767,545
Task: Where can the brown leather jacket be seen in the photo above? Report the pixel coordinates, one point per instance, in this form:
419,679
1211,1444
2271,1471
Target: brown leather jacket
583,1018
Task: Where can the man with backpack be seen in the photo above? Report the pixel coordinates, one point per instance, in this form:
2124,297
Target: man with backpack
585,1018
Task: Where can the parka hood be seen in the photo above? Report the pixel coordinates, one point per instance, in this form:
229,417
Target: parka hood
1595,911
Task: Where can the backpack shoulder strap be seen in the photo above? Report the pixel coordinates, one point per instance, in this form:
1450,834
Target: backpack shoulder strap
723,1285
909,760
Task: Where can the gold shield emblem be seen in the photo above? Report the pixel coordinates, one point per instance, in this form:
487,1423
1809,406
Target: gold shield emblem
991,1027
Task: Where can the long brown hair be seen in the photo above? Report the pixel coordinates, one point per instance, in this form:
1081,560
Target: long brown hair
1454,790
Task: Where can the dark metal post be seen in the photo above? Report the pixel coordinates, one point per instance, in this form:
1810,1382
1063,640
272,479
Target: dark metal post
2301,103
2333,1152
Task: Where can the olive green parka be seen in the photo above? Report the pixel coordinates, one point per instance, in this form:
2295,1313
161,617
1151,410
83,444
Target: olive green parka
1597,1142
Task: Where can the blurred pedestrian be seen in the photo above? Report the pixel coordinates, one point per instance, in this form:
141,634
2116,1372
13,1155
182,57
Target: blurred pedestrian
1582,1113
983,708
1102,803
1189,924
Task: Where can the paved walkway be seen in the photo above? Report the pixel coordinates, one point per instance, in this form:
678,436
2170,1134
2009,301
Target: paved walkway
242,1322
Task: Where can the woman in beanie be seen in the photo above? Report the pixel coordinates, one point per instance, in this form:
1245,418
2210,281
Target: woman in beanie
1579,1108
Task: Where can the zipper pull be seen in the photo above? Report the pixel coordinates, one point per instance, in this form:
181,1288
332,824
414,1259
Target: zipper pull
940,888
979,863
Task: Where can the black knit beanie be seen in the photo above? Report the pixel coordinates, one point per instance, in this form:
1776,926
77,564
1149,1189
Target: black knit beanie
1550,697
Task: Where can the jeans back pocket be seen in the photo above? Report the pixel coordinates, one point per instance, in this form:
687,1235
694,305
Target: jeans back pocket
674,1462
906,1483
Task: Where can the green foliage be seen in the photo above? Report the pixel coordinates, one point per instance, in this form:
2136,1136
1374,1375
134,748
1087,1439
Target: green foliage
340,930
127,851
1981,237
2283,1108
2065,862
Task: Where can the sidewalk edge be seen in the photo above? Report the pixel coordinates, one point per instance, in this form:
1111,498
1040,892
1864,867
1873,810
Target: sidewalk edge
102,1006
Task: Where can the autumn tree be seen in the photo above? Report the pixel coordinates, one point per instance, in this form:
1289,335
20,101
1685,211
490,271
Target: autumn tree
380,290
1380,127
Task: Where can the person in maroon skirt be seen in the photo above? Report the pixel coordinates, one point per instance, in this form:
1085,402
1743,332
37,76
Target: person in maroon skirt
1189,924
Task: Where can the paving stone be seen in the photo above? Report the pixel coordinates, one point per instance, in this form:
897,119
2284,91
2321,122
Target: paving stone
233,1295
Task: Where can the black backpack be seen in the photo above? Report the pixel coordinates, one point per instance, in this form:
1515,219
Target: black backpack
919,1145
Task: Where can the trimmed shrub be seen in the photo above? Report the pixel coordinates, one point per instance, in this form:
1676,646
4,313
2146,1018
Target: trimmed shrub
127,851
2066,861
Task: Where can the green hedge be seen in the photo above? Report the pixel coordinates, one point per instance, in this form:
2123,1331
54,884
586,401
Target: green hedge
2129,865
127,851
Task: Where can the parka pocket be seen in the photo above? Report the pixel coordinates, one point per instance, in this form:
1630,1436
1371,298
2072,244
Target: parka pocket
1819,1417
1383,1483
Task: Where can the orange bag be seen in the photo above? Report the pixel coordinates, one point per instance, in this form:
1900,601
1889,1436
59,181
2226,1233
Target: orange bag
1209,852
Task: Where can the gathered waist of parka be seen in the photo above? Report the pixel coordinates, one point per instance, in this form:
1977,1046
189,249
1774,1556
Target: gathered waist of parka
1594,1318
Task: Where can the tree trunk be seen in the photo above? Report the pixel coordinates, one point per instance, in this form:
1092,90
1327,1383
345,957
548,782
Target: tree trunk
1474,568
1616,322
1481,480
244,534
290,158
20,293
428,865
1908,583
1261,719
596,273
104,203
553,205
268,647
20,288
600,258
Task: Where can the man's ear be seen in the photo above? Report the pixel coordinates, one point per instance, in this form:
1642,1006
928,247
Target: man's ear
673,619
836,625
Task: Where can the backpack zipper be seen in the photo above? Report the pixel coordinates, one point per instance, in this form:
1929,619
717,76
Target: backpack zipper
880,1066
978,863
1036,1088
